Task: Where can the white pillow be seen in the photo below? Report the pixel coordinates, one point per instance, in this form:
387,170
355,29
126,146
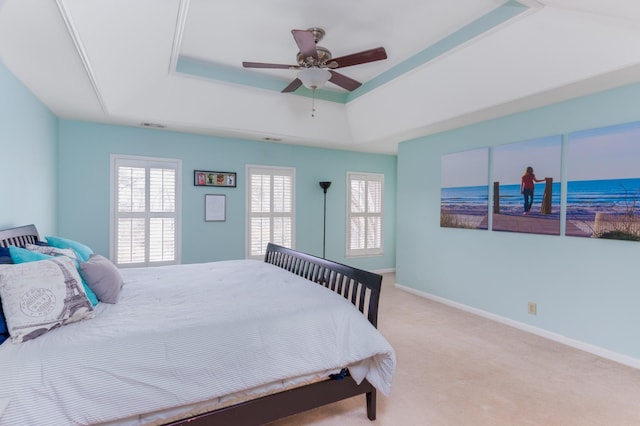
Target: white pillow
40,296
52,251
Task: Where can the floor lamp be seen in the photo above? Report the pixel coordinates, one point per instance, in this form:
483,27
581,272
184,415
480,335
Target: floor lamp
324,186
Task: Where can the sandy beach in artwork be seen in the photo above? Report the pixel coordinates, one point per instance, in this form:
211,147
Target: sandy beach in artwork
464,216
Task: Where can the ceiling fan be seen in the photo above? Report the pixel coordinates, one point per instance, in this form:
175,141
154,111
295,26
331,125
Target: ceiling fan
316,64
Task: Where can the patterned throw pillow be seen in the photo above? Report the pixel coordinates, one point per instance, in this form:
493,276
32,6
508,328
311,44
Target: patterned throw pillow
22,255
40,296
82,251
52,251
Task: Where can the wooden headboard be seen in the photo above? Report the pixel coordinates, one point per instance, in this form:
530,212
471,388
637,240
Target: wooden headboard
360,287
19,236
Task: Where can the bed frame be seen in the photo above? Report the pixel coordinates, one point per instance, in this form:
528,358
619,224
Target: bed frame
362,288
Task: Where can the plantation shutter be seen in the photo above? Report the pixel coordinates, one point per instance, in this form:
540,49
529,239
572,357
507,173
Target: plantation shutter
146,211
271,208
364,229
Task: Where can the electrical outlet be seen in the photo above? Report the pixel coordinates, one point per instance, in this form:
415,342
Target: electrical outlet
533,308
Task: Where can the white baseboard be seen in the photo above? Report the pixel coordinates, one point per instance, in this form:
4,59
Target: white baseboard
384,271
596,350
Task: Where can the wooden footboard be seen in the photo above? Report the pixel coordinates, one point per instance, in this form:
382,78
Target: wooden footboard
360,287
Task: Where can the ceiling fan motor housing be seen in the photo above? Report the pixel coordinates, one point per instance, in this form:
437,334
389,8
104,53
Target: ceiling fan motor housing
324,55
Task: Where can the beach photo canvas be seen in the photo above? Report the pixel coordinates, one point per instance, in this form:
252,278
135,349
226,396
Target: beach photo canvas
464,193
526,186
603,183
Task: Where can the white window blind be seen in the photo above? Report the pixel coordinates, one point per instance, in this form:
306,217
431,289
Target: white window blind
270,215
145,200
364,214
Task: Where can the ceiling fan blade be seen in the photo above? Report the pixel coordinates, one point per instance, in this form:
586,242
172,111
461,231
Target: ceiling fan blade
293,86
306,43
363,57
263,65
344,81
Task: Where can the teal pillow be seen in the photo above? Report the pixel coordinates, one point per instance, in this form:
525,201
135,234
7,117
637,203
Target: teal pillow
3,326
20,255
83,252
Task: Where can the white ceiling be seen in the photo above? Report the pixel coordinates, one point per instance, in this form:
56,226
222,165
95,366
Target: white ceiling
178,63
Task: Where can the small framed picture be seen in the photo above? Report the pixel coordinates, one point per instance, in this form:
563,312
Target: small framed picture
215,208
207,178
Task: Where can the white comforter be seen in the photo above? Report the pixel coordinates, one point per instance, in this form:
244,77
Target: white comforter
183,334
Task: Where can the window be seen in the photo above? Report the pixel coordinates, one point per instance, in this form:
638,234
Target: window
145,201
364,214
270,204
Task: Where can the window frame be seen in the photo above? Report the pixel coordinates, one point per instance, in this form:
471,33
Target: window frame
146,162
250,169
366,252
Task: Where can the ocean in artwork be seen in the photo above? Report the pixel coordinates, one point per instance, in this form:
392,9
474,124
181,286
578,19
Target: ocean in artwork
465,206
473,200
595,207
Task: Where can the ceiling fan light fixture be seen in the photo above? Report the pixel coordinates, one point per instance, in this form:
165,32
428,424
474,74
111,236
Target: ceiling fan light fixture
314,78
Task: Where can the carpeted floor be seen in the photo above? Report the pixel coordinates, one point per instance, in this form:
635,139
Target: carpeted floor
455,368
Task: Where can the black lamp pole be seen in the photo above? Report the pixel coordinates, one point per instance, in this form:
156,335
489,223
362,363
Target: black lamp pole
324,186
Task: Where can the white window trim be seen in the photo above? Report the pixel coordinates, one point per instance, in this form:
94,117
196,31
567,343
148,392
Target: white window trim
112,202
364,252
247,229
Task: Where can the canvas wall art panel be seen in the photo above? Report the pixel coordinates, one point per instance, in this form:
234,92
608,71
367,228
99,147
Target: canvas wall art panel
464,190
603,183
526,186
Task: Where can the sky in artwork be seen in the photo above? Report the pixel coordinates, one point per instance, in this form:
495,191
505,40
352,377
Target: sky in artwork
605,153
467,168
511,160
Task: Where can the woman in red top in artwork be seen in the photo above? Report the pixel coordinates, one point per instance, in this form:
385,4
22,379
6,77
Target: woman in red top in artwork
526,188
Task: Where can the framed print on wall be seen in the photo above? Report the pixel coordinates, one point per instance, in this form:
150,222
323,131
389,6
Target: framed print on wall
208,178
215,208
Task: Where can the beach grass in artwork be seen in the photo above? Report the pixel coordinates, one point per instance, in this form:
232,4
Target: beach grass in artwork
603,185
464,194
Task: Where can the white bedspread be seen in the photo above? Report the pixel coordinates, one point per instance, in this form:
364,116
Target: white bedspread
184,334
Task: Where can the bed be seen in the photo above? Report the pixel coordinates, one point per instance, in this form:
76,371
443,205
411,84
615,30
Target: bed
242,342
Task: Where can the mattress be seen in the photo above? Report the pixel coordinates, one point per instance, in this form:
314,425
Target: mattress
187,334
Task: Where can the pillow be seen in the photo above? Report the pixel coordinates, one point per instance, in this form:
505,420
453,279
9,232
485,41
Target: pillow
52,251
21,255
5,256
81,250
3,326
40,296
103,277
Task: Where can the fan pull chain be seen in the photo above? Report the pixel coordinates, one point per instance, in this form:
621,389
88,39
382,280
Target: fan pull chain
313,103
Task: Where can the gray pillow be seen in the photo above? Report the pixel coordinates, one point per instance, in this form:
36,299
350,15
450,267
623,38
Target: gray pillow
103,277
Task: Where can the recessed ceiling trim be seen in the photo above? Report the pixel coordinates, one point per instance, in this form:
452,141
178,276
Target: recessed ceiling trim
496,17
75,37
448,44
181,20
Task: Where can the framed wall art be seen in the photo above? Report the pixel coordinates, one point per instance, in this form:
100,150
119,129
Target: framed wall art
215,208
208,178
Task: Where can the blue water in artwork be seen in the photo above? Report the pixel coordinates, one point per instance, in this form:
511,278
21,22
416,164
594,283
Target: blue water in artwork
584,198
475,199
473,195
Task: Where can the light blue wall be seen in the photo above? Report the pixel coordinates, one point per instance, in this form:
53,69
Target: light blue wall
28,143
586,289
83,208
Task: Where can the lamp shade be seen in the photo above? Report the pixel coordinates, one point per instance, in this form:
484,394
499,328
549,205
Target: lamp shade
314,78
